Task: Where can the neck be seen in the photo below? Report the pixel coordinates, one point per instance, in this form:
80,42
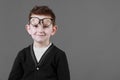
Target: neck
41,45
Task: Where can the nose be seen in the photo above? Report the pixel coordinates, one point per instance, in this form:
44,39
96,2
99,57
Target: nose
40,28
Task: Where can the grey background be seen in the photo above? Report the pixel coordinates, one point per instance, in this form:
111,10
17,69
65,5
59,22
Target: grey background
88,32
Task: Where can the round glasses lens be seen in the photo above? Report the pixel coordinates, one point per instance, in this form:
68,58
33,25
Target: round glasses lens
34,21
47,22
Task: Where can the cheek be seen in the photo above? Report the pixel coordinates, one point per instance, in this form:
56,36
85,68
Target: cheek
32,31
49,32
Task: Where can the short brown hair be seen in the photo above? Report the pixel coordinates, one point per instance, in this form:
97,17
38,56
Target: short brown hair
43,10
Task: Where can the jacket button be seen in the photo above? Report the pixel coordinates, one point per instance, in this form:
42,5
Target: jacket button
37,68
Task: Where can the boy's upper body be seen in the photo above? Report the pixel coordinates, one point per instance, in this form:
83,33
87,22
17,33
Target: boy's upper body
29,62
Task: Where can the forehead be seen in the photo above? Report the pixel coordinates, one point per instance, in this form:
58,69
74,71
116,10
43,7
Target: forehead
40,16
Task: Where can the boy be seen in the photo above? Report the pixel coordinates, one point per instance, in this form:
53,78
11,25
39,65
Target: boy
42,60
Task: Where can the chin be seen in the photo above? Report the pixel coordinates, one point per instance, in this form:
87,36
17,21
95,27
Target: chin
39,41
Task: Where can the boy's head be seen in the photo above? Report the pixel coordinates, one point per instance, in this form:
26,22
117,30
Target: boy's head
42,10
41,24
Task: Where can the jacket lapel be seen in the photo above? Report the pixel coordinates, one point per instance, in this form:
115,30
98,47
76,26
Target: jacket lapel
44,56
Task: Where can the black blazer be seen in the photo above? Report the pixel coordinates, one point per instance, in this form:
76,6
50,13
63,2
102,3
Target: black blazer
53,65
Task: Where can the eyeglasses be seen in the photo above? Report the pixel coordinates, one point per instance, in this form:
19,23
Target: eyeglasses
45,21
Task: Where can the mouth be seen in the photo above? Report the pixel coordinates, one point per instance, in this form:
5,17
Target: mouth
40,35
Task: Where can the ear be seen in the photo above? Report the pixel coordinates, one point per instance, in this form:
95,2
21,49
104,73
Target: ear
54,29
27,27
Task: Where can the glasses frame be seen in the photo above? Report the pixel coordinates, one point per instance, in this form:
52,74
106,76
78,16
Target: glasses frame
41,20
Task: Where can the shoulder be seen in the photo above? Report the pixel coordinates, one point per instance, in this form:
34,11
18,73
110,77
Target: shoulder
57,49
25,49
23,52
59,52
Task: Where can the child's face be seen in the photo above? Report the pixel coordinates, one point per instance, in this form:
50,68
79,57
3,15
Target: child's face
41,28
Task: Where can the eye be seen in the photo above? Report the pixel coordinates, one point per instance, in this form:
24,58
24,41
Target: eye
35,26
45,26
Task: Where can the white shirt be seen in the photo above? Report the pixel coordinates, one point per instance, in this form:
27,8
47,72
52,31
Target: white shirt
40,51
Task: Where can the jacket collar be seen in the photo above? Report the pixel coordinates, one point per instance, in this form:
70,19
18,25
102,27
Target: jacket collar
44,56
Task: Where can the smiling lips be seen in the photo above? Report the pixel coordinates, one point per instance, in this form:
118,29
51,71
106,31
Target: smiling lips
40,35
